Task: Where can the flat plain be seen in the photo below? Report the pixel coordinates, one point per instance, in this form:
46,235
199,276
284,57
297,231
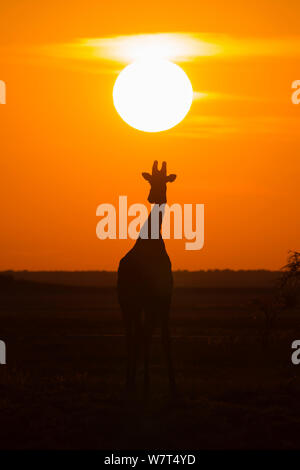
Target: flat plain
63,384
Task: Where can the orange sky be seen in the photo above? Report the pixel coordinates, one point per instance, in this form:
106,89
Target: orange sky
64,149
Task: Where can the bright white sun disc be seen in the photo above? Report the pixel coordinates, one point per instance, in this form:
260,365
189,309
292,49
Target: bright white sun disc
152,95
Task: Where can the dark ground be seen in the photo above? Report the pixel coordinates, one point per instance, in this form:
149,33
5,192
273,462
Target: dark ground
62,386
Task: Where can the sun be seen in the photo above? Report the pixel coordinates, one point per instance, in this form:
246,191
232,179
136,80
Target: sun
152,95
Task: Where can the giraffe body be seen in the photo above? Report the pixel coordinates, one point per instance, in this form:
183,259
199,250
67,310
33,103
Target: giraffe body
145,287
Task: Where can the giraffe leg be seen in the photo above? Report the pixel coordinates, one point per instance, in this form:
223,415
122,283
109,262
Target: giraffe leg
129,343
136,342
148,331
166,344
133,332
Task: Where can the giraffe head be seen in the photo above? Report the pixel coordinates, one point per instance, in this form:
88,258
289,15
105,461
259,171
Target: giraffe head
158,181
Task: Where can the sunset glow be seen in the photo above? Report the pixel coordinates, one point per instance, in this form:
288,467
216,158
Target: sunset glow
66,149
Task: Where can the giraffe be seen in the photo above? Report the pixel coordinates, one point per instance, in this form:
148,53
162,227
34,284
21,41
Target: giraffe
145,285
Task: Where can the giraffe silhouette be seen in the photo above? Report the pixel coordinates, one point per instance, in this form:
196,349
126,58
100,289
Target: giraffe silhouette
145,284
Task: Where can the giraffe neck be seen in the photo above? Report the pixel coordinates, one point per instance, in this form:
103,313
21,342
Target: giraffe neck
151,230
